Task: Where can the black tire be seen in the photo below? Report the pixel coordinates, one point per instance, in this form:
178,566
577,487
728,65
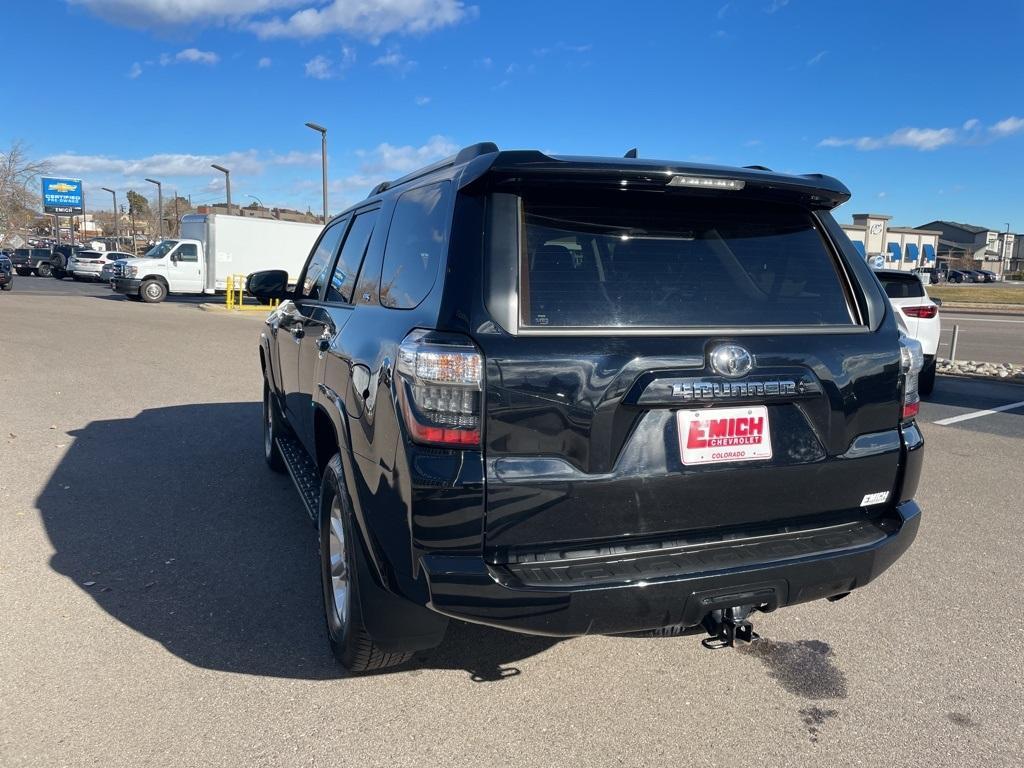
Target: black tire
59,273
272,429
23,272
7,287
926,379
351,644
76,278
43,270
153,291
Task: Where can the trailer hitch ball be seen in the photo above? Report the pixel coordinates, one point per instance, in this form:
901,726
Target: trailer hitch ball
726,626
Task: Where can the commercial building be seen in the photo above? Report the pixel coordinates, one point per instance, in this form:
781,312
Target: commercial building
973,247
903,248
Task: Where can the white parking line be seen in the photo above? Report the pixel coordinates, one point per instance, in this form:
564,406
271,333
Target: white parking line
978,414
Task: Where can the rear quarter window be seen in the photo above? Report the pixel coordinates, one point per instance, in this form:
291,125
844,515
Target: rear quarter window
417,240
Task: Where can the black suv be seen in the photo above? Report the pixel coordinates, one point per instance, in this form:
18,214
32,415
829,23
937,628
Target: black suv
32,261
6,272
573,395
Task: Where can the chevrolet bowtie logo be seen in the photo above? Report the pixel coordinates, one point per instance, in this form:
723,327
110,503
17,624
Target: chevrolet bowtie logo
61,187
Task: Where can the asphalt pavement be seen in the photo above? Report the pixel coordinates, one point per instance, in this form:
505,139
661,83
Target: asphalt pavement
160,606
989,338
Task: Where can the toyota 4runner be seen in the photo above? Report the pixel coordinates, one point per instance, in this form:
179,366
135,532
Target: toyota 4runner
573,395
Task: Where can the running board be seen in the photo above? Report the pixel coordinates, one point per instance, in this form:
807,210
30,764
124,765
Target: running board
303,472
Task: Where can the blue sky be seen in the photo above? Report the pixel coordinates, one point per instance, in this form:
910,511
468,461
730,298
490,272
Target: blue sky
917,106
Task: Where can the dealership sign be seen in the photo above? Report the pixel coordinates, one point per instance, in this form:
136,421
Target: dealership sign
62,196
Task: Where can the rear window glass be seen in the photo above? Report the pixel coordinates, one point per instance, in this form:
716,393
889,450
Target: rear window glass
902,286
417,240
667,261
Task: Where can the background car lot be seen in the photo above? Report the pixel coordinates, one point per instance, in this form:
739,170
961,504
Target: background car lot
159,608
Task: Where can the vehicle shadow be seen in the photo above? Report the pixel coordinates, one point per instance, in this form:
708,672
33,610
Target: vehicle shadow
172,523
975,393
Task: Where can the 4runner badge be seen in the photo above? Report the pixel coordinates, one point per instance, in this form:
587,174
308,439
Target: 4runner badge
731,360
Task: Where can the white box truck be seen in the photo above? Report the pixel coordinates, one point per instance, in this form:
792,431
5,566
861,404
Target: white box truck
211,247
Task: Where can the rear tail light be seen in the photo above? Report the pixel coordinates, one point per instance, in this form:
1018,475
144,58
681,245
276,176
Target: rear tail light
911,363
926,311
440,387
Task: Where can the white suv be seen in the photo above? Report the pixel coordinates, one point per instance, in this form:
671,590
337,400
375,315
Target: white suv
88,265
920,314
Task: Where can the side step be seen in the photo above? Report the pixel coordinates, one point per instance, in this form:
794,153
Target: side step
303,472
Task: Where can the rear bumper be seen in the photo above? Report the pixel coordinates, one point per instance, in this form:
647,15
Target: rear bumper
635,592
127,284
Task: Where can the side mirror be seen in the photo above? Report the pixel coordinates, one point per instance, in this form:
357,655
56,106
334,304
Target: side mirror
268,285
936,300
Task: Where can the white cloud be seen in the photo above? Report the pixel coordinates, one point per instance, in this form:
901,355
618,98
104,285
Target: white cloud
348,56
923,139
264,62
371,19
196,56
1007,127
816,58
421,101
135,70
320,68
390,159
882,195
396,60
248,162
928,139
723,10
776,5
486,62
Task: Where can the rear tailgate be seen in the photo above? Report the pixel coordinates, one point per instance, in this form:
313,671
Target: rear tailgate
607,422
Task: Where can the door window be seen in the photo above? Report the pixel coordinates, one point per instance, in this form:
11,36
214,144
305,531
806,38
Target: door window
188,252
344,278
320,260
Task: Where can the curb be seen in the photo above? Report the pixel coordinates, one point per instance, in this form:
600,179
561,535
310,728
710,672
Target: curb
982,309
220,309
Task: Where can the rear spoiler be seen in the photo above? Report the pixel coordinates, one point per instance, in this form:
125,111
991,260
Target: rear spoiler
814,189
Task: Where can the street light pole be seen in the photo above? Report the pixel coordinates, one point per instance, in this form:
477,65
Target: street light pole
227,182
159,207
323,160
117,221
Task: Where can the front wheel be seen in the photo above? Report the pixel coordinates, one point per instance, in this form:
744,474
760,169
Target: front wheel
153,291
43,270
339,548
271,431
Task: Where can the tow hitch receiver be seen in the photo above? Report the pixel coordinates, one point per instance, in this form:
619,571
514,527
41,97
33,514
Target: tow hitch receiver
726,626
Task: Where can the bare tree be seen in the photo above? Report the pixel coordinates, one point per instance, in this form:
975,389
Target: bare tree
19,189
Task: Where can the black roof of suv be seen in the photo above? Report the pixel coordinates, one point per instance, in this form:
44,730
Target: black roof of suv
568,395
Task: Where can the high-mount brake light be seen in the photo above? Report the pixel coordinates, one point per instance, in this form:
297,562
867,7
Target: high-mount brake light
925,311
706,182
441,381
911,363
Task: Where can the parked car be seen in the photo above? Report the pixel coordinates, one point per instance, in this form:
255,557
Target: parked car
112,270
31,261
6,273
88,265
988,275
959,276
929,275
62,254
909,296
569,396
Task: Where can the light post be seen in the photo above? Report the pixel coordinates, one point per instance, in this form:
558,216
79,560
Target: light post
159,207
227,181
323,160
117,222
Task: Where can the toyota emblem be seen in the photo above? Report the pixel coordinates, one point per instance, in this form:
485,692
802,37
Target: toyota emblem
731,360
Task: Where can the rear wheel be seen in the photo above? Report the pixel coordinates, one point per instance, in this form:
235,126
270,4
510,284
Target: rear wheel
23,272
153,291
339,548
271,431
43,270
926,380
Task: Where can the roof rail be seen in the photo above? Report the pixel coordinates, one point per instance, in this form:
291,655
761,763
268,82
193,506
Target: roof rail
464,155
757,167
